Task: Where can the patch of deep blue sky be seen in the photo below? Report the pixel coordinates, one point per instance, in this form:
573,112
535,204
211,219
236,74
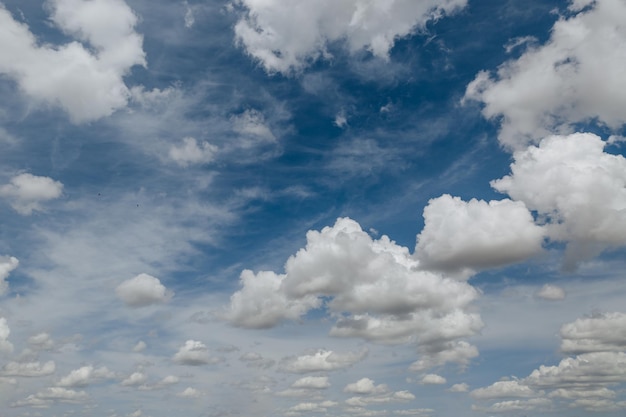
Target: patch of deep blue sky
380,169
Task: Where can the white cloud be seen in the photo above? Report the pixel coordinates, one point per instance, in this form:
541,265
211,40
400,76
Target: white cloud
140,346
503,389
322,360
194,353
576,76
376,286
5,331
598,333
516,405
476,234
134,379
433,379
578,190
41,341
462,387
287,36
365,386
189,153
84,376
7,264
28,369
311,382
26,192
551,292
189,393
255,360
142,290
49,396
86,80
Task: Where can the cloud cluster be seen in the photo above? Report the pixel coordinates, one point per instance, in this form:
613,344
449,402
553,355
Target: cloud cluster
373,286
7,264
321,361
26,192
577,189
582,381
84,77
194,353
287,36
576,76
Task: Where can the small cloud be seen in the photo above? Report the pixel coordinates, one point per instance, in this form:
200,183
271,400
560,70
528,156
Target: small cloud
194,353
341,120
551,292
26,192
190,152
140,346
462,387
7,264
142,290
433,379
189,393
5,345
134,379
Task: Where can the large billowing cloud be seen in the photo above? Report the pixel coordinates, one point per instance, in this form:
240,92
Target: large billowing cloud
85,79
598,333
476,234
576,76
375,289
286,36
577,189
26,192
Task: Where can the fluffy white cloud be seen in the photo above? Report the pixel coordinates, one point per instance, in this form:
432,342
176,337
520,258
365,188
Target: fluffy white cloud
47,397
288,36
462,387
476,234
576,76
503,389
7,264
551,292
365,386
322,360
41,341
191,153
189,393
26,192
516,405
375,288
598,333
28,369
311,382
194,353
84,376
142,290
5,331
433,379
578,190
86,80
134,379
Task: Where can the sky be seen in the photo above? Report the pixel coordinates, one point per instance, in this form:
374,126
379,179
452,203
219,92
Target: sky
296,208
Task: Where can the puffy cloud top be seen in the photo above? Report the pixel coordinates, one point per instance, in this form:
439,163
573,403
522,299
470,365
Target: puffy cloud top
142,290
286,36
26,192
575,77
598,333
7,264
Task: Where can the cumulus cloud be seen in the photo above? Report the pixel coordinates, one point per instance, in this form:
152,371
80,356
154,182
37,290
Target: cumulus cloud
255,360
374,287
134,379
189,393
551,292
577,189
7,264
433,379
476,234
503,389
462,387
5,331
602,332
142,290
576,76
84,376
49,396
365,386
287,36
311,382
84,76
322,360
28,369
41,341
26,192
194,353
192,153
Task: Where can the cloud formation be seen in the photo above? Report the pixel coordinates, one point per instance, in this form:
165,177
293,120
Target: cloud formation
26,192
575,77
142,290
7,264
84,77
287,36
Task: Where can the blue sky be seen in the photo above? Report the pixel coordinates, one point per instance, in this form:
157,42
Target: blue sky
337,208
